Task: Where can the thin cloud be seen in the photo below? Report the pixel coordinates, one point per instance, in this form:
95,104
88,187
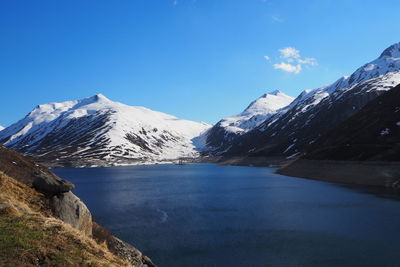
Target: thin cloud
289,52
291,60
308,61
175,3
277,18
267,58
287,67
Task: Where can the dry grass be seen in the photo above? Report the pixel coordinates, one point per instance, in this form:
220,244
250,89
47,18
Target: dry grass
29,236
15,193
19,167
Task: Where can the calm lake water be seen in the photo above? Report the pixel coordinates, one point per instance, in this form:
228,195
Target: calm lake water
211,215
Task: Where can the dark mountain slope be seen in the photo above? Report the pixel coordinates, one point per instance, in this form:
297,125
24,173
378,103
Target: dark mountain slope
372,134
364,149
293,132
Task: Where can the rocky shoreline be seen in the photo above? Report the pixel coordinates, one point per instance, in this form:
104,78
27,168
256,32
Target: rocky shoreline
383,174
368,173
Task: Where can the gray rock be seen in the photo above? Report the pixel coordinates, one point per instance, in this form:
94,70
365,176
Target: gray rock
128,253
70,209
50,185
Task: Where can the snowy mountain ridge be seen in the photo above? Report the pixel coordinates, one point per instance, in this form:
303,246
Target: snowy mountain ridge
96,130
387,62
99,128
258,111
290,131
379,74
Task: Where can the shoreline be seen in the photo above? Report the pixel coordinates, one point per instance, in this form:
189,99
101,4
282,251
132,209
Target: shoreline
272,162
382,174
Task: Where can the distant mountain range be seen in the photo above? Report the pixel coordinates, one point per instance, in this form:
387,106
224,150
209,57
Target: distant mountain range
291,131
98,131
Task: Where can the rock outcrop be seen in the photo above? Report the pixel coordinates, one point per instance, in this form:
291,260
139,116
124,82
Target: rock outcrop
31,236
50,185
70,209
65,205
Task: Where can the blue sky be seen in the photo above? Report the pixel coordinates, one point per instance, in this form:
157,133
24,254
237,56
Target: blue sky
196,59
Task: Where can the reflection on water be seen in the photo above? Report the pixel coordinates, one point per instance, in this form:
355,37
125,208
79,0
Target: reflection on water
211,215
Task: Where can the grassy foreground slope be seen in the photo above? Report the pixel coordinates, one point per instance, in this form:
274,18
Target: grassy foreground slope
43,224
30,236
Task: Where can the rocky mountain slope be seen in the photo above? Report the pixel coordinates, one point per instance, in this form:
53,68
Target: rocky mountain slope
98,131
257,112
372,134
292,130
364,149
42,223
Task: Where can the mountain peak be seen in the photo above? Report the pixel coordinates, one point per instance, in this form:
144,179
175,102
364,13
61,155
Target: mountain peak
275,92
255,113
96,99
388,61
391,51
269,102
99,98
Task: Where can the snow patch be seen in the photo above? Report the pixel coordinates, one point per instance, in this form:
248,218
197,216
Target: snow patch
293,155
288,148
385,131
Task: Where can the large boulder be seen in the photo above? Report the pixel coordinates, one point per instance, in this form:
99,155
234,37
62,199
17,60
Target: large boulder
65,205
70,209
50,185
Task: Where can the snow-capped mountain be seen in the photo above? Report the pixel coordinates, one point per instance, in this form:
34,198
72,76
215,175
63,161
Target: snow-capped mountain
1,128
98,131
388,62
258,111
290,131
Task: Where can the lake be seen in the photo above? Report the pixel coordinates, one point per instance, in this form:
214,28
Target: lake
212,215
